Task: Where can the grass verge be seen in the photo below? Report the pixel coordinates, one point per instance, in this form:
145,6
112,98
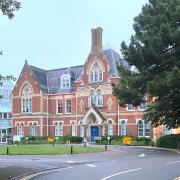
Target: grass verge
46,150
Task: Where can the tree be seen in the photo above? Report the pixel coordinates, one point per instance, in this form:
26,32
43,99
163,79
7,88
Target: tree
8,7
155,52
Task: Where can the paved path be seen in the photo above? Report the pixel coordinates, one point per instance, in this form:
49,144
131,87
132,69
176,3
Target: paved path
119,162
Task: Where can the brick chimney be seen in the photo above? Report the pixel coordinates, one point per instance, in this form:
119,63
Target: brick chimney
96,34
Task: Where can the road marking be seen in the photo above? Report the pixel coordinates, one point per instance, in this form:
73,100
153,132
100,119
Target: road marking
173,162
43,172
90,165
73,161
141,155
124,172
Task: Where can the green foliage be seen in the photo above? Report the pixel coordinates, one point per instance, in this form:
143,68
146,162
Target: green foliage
72,139
155,51
170,141
144,140
9,6
44,139
34,140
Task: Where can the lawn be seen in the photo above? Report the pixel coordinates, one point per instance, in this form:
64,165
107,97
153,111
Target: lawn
46,150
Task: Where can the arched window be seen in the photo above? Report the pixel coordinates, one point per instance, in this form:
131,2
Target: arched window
110,128
73,129
30,129
99,98
65,81
58,129
20,129
123,128
81,130
140,128
26,99
92,99
143,128
33,129
96,73
95,99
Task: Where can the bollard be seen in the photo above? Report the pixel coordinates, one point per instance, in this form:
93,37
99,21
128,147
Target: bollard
53,143
7,150
85,144
71,149
105,147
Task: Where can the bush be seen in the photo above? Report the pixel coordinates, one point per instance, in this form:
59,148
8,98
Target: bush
142,140
44,139
72,139
170,141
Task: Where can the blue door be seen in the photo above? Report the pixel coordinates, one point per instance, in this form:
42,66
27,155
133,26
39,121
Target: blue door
94,133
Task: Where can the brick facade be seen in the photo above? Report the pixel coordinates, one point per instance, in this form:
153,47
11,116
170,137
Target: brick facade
45,88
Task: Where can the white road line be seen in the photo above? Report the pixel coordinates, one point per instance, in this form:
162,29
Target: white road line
173,162
73,161
45,165
124,172
44,172
90,165
141,155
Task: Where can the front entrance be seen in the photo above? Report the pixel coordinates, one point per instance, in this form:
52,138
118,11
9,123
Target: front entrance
94,133
3,133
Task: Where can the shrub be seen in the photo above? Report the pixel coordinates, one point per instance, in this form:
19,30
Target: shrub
145,141
72,139
169,141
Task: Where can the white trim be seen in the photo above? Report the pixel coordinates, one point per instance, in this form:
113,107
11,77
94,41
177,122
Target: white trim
32,122
110,119
54,122
120,120
91,110
130,109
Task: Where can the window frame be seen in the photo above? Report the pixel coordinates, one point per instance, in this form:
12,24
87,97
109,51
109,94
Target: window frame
68,105
59,106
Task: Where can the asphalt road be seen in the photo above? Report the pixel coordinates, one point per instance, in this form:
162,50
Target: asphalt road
118,163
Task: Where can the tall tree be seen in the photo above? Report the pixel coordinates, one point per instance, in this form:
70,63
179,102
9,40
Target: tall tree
154,50
8,7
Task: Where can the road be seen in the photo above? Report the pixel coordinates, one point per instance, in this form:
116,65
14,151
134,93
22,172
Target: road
118,163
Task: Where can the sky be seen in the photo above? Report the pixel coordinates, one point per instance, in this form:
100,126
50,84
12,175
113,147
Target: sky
57,33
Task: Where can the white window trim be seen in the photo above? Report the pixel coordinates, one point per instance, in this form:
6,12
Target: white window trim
66,106
63,76
139,109
57,106
129,109
120,123
144,129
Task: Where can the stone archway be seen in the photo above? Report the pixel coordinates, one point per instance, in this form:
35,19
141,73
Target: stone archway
94,124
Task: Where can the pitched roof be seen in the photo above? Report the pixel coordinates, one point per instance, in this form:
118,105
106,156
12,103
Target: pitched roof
50,82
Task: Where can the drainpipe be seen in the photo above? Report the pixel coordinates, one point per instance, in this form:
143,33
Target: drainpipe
47,106
118,118
76,116
47,120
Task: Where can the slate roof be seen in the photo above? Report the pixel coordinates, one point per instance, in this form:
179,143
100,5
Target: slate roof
50,82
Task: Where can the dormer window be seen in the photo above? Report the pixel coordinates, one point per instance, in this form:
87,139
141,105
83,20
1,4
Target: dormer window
96,72
65,81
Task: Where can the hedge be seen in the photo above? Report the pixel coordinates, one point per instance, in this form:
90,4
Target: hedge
171,141
44,139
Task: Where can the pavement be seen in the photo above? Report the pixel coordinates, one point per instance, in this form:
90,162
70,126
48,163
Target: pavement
119,162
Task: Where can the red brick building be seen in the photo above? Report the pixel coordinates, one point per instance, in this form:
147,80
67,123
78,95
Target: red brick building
76,100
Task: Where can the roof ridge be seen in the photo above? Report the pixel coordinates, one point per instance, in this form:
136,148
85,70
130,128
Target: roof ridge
64,68
37,68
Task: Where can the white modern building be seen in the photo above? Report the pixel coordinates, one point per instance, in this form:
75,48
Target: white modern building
6,124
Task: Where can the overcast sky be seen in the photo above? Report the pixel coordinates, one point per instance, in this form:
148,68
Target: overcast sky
52,34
